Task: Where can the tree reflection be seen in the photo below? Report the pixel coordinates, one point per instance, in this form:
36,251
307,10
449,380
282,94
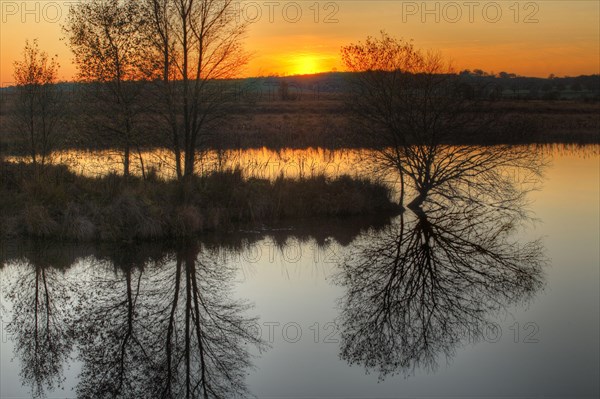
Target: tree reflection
167,330
429,282
471,173
112,333
141,320
42,321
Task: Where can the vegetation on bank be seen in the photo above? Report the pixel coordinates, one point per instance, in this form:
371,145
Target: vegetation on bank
52,202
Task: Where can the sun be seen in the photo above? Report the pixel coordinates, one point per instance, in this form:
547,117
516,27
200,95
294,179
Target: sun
305,65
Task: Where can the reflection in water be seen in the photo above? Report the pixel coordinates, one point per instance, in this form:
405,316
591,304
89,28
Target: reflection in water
254,162
110,328
42,321
167,330
430,281
143,326
145,322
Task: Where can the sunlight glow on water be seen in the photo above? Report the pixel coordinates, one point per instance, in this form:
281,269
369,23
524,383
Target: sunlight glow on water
261,162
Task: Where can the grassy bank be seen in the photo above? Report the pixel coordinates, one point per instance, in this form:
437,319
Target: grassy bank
55,203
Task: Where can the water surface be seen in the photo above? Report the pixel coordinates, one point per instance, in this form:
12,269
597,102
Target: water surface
452,302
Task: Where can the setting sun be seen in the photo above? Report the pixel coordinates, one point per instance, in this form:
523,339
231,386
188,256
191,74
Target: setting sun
305,65
294,63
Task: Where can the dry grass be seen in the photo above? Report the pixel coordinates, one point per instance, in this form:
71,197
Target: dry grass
55,203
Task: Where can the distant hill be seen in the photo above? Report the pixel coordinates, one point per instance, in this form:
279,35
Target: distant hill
504,85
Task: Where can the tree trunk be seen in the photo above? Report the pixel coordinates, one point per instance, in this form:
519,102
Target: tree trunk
401,200
126,161
177,161
141,163
416,203
190,158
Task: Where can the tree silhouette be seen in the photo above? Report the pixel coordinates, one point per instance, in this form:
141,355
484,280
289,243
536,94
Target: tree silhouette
145,323
113,337
195,43
107,39
422,119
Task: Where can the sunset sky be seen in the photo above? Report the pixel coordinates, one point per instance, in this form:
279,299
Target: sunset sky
285,37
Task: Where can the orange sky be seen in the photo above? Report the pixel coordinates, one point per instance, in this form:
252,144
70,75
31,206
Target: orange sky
291,37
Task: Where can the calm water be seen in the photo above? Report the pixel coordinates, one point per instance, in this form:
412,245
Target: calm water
452,302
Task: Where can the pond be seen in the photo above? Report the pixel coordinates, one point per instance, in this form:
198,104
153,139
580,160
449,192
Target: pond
455,300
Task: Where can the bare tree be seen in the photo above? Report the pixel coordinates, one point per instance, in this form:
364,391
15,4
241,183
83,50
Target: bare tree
426,124
108,41
195,43
382,68
38,108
